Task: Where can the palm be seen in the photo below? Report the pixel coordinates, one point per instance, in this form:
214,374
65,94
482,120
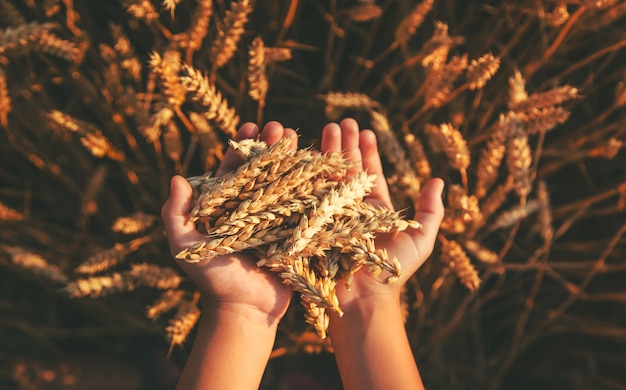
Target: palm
232,279
411,247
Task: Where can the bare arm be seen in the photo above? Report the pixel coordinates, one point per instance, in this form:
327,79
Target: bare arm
371,345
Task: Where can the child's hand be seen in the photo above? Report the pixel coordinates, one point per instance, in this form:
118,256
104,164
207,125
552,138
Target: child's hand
230,282
411,247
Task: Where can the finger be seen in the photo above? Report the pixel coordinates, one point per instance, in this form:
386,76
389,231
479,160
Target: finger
350,145
231,159
291,133
272,132
180,230
373,166
429,213
331,138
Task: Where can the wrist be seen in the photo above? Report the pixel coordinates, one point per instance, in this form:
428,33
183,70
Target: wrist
245,314
360,312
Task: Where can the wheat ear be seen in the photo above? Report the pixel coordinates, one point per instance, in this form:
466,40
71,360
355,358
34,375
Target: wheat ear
229,32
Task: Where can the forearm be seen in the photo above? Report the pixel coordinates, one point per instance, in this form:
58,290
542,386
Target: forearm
372,349
230,351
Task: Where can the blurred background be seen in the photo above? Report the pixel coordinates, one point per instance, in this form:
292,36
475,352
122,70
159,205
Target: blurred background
518,105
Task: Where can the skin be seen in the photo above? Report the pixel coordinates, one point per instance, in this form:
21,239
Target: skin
370,342
243,304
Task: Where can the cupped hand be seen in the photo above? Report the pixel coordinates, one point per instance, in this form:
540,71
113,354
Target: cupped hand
411,247
230,282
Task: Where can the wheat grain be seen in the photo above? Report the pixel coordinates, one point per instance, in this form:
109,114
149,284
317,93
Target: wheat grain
229,32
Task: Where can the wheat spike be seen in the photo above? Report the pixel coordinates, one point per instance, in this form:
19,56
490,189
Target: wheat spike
317,317
172,143
104,260
170,5
206,93
168,300
9,214
545,214
481,253
482,70
134,223
257,78
409,25
167,69
336,102
51,44
540,120
163,278
160,118
453,254
420,160
365,12
211,147
22,36
130,62
517,89
491,157
200,25
509,217
5,99
35,263
229,32
546,99
497,197
519,159
100,146
454,145
10,15
462,210
183,322
440,81
97,286
435,50
142,10
558,16
277,54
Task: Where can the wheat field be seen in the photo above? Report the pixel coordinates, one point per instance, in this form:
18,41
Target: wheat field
519,106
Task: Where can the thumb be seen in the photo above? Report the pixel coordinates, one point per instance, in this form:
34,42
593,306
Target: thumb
179,228
429,213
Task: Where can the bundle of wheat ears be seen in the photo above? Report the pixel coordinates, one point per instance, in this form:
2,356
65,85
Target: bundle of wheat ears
305,221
